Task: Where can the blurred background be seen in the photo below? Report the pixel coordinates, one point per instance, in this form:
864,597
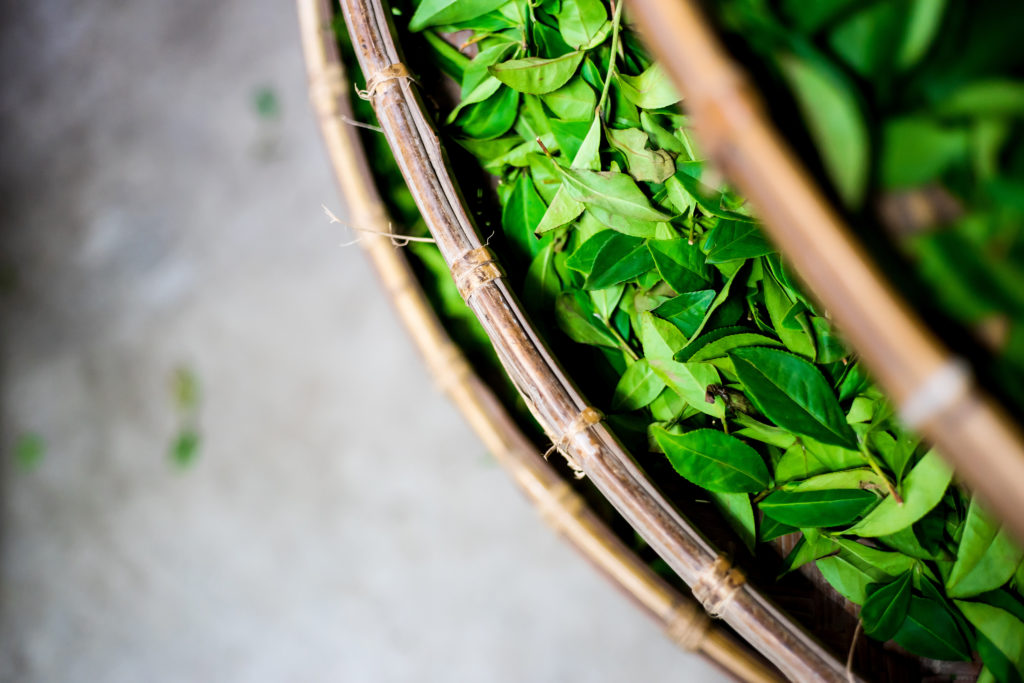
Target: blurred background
221,457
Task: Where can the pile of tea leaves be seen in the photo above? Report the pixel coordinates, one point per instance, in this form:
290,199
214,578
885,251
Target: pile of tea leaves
618,236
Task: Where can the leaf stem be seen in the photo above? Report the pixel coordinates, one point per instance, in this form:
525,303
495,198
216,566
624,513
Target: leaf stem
623,344
878,470
616,19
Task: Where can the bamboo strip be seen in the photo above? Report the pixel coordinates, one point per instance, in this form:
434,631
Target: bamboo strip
553,400
558,504
970,429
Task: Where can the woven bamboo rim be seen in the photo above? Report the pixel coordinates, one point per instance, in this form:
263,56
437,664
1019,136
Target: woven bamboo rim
552,398
932,388
682,618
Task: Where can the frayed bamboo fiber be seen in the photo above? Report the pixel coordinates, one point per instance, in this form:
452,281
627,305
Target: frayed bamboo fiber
551,397
562,508
933,390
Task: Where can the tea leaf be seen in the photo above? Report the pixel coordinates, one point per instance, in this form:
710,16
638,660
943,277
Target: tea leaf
581,22
680,264
817,508
921,490
645,164
856,566
652,89
576,316
930,630
886,607
721,347
659,338
614,192
574,101
621,258
523,210
986,558
536,75
691,381
714,461
442,12
686,311
835,121
1002,629
492,117
731,240
739,513
637,387
793,394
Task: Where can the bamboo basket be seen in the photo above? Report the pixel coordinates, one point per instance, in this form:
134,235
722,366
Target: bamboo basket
681,617
909,363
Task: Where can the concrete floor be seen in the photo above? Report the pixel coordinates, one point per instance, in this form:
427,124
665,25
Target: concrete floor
340,522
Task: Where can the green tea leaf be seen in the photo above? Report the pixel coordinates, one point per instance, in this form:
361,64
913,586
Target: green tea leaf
477,83
621,258
563,209
793,394
779,304
812,546
606,300
770,530
442,12
856,566
995,97
659,338
739,513
637,387
834,118
922,26
680,264
721,347
645,164
614,192
686,311
536,75
691,381
930,630
1002,629
921,490
652,89
714,460
523,210
574,101
916,150
886,607
583,258
798,463
986,558
582,21
492,117
578,319
859,478
817,508
731,240
542,282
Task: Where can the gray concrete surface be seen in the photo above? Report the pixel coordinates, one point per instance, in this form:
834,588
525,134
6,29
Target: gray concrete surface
340,522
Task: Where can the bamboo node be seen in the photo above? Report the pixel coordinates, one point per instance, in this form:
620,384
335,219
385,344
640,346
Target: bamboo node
687,626
946,386
389,73
717,585
587,418
474,269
